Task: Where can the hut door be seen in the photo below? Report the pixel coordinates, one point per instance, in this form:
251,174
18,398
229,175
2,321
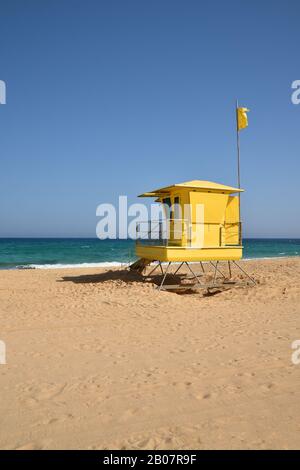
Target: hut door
176,222
167,209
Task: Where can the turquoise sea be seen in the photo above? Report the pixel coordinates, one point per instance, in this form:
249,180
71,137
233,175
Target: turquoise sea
63,252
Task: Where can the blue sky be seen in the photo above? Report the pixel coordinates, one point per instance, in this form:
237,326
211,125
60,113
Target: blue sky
106,98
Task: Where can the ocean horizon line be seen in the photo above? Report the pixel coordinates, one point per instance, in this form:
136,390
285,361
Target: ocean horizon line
130,239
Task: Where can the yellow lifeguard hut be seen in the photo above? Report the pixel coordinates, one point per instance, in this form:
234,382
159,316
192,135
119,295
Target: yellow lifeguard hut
201,222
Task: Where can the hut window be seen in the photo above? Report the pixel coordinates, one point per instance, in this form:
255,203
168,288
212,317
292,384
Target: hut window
167,204
167,201
177,211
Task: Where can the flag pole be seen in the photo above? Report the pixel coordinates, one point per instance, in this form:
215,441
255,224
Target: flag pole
238,168
238,146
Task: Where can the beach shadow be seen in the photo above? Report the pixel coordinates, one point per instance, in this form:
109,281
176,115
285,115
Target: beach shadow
119,275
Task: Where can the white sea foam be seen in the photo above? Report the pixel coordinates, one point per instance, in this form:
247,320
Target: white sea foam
115,264
112,264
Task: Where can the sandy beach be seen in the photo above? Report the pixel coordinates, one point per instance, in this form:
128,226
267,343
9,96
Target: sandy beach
100,360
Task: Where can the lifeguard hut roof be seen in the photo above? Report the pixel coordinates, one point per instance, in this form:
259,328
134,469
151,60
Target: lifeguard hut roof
194,185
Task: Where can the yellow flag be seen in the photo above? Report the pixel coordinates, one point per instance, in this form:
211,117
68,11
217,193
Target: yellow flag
242,118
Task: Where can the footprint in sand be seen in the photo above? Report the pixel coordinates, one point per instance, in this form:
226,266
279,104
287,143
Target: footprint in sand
44,392
166,438
48,391
60,419
267,387
182,385
203,396
30,402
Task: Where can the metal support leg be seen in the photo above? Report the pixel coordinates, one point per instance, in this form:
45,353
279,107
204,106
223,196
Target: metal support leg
165,275
202,267
229,269
195,275
249,277
178,268
216,268
162,271
154,269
